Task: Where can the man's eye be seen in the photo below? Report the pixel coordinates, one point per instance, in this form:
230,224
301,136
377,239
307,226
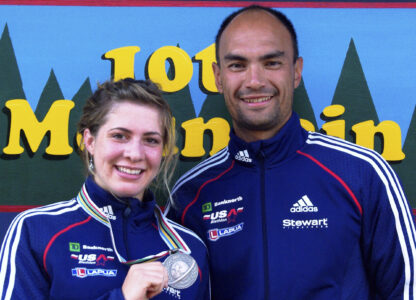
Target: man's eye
236,66
273,64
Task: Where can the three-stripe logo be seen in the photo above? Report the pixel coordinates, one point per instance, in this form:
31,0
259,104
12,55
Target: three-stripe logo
243,156
304,204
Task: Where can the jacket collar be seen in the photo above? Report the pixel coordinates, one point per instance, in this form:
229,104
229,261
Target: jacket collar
113,208
278,148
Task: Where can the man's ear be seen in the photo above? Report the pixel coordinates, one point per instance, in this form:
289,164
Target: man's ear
298,71
217,74
89,141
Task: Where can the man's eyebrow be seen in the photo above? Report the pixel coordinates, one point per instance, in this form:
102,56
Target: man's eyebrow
231,56
275,54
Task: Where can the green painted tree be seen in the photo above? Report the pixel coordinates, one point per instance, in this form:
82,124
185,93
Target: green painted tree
406,168
77,168
353,93
302,105
53,173
10,88
10,81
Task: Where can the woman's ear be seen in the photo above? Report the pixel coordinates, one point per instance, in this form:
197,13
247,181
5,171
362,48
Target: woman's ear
89,141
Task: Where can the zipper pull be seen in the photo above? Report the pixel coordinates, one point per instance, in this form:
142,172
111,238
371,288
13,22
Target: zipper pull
127,212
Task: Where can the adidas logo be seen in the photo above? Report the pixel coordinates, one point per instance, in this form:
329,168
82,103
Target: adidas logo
108,212
243,156
304,204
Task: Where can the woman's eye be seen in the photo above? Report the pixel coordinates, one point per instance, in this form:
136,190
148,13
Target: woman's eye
118,136
153,141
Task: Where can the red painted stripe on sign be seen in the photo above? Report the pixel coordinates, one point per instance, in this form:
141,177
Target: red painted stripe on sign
287,4
16,208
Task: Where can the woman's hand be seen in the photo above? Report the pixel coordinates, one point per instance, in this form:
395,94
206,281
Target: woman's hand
144,281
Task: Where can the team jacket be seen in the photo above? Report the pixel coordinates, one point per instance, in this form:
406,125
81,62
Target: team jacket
62,252
300,216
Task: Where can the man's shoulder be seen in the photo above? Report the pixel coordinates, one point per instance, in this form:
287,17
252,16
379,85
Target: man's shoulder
334,148
345,159
204,171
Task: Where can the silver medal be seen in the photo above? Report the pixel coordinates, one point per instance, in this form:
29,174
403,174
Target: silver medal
182,270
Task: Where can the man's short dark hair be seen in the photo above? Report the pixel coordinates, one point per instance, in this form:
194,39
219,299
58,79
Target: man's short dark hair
277,14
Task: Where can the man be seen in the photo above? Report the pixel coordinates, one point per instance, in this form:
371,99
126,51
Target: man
288,214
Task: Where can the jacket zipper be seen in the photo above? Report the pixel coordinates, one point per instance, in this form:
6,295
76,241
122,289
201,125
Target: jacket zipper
126,214
264,226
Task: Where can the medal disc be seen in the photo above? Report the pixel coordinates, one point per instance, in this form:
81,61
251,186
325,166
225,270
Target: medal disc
182,270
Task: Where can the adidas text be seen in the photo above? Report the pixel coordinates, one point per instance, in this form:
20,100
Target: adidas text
303,209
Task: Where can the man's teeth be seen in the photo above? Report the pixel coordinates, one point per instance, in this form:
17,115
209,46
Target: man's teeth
257,100
129,171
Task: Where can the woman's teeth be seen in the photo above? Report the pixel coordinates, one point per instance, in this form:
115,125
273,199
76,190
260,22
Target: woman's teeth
129,171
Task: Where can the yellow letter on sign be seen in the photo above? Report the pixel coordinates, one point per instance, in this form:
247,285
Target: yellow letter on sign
194,136
392,138
207,57
181,63
123,61
55,121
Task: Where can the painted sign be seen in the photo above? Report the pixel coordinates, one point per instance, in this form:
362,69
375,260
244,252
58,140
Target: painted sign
358,81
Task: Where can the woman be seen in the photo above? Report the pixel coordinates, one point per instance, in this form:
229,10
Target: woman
110,241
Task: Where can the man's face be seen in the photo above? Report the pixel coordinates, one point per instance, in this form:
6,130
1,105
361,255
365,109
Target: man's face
256,74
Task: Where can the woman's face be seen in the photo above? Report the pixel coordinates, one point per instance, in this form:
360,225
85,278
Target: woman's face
127,149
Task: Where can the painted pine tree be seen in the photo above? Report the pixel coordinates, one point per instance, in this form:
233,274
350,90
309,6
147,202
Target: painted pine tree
302,105
11,166
406,168
353,93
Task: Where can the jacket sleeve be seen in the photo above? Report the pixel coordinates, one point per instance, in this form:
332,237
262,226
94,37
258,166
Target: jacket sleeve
21,273
388,236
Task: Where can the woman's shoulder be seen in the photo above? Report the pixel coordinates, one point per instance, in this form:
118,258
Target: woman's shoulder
39,225
49,214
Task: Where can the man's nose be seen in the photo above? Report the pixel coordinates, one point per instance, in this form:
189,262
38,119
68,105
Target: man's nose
255,78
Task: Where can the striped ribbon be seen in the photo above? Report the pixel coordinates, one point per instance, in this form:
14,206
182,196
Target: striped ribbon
171,238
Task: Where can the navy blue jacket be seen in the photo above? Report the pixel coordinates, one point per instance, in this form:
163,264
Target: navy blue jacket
300,216
61,252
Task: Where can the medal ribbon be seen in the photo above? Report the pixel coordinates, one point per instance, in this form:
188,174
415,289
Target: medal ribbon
166,231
